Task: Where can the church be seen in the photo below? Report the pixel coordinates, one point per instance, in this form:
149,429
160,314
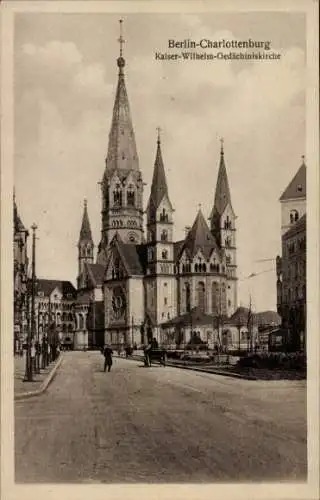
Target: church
141,279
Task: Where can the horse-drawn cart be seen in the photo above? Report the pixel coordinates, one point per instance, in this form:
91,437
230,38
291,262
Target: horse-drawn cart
155,354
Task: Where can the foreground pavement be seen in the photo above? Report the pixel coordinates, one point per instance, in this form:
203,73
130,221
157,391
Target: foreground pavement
159,424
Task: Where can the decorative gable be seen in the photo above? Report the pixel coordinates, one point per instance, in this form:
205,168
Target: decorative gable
116,267
164,210
56,295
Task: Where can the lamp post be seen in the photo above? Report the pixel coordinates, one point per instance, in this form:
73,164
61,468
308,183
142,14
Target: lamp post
35,331
132,333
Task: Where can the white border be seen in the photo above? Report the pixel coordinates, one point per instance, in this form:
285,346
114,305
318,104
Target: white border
241,491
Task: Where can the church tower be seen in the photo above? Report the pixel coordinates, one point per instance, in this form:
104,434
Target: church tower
223,228
160,279
122,185
85,246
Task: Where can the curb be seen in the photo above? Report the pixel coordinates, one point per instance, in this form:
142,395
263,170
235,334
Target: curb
203,370
44,384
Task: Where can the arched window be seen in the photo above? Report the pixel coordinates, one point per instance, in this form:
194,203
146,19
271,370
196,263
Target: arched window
116,269
204,268
163,216
187,297
201,296
294,216
130,196
196,268
165,254
117,196
164,235
81,322
223,299
227,223
215,298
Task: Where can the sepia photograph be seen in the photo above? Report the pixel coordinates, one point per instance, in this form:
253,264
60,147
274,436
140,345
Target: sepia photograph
160,329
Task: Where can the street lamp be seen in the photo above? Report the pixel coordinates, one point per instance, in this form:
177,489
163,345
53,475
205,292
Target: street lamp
31,329
35,330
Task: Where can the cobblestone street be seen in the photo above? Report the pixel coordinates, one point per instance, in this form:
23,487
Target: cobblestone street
159,424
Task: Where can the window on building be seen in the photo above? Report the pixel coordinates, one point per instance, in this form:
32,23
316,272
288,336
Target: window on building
163,216
164,235
187,297
201,296
294,216
215,298
130,196
164,254
227,223
165,301
117,196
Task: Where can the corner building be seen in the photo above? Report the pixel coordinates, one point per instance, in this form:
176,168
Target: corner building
147,278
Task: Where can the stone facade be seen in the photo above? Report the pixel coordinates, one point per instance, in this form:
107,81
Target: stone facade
291,266
20,277
55,309
146,277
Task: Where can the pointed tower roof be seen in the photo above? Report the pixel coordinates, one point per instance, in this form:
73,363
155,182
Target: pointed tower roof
18,226
122,151
159,186
222,194
297,188
85,231
200,237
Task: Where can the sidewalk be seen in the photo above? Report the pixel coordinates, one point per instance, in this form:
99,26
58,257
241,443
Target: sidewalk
231,371
40,381
209,368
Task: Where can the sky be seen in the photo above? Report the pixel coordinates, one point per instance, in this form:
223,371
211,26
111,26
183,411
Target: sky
65,76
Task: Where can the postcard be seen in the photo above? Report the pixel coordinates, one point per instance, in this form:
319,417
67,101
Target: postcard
160,203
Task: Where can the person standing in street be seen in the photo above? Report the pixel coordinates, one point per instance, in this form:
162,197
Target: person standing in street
107,358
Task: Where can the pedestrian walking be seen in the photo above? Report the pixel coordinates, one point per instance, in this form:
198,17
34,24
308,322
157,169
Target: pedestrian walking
107,358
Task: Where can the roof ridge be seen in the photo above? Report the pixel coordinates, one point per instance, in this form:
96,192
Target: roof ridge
222,193
297,186
85,231
159,186
122,150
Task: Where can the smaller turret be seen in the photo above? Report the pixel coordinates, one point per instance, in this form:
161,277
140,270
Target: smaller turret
85,246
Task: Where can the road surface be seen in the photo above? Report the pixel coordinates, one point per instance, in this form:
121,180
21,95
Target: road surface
159,424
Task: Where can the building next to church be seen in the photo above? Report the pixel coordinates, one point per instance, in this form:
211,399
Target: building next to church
143,277
55,309
291,266
20,277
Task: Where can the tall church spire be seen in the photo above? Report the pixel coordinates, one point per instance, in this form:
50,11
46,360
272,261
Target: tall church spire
222,194
122,184
122,151
85,231
159,186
